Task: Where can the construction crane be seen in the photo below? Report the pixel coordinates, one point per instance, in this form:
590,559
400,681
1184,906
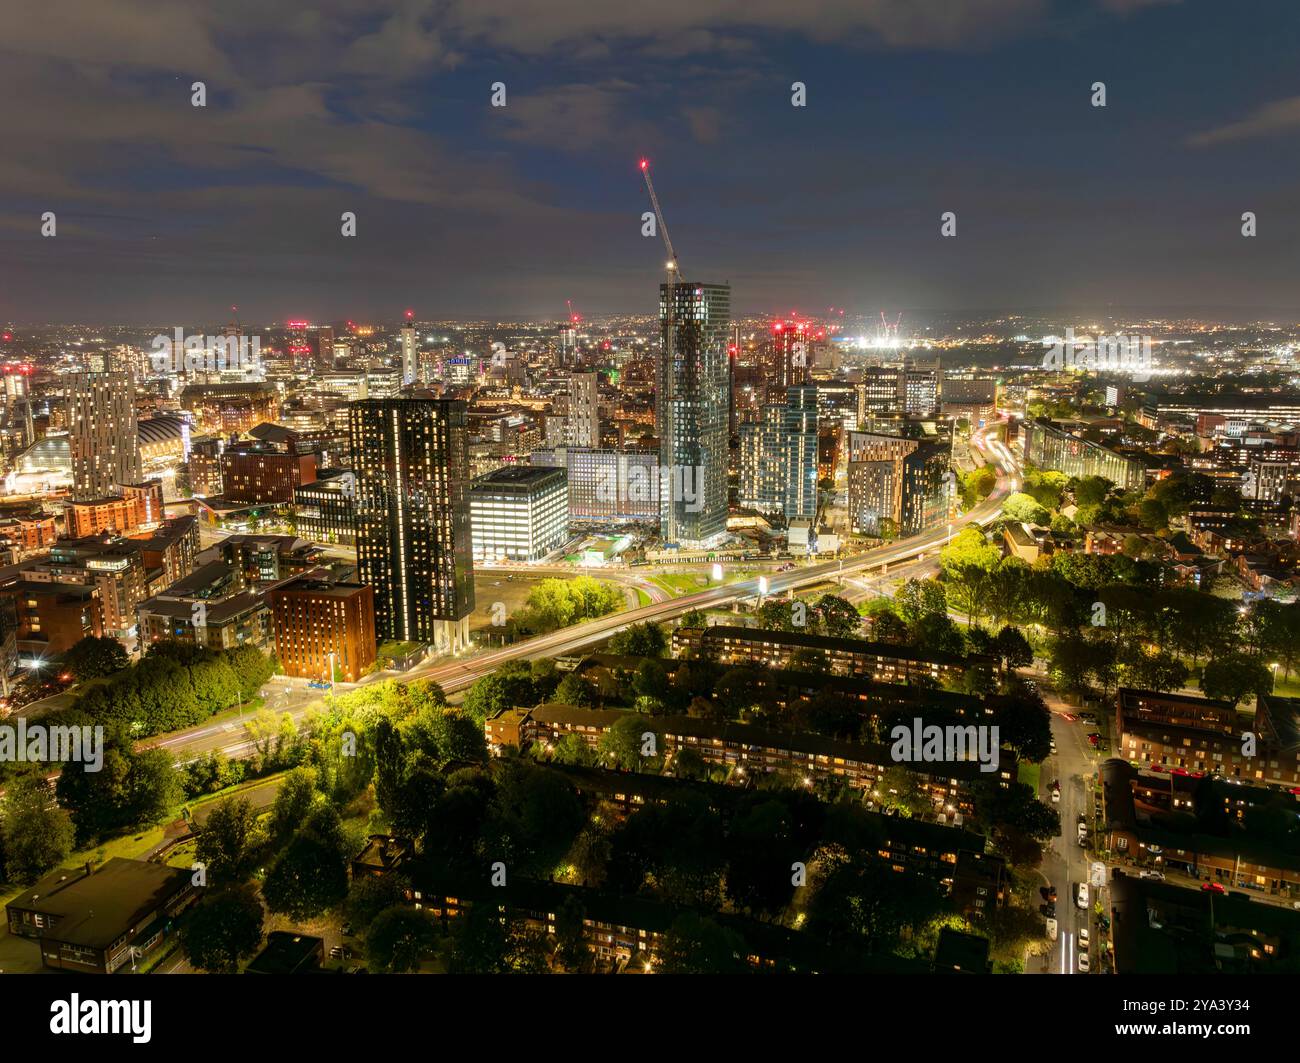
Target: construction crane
573,318
659,218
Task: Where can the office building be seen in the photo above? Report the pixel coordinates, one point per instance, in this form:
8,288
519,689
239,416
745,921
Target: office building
414,539
691,411
607,485
323,510
104,436
519,513
1050,446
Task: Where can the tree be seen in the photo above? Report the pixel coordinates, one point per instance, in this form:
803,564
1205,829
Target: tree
574,690
480,942
399,938
223,929
918,598
95,656
251,666
620,746
1013,648
571,948
230,843
371,894
836,616
651,681
36,835
215,686
1233,676
293,801
130,790
1025,509
640,640
309,878
1161,672
696,944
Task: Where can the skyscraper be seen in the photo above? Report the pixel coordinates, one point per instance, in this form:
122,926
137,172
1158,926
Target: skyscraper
414,545
410,352
691,411
778,457
104,436
584,416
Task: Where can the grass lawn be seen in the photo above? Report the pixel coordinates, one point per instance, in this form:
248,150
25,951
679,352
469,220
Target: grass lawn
1028,773
396,649
642,599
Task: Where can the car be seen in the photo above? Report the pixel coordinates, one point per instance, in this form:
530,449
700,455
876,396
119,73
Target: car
1048,909
1051,929
1048,893
340,952
1056,784
1083,832
1083,963
1151,874
1083,938
318,684
1081,895
1212,887
1056,797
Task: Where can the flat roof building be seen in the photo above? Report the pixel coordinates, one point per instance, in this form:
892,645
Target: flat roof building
519,513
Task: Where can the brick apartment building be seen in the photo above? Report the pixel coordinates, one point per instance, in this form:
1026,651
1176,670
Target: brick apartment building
98,921
1184,733
313,617
876,660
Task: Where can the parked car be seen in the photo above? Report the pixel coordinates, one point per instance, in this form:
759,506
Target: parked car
1051,929
1152,874
1056,797
1049,893
340,952
1083,963
1083,938
1212,887
1081,895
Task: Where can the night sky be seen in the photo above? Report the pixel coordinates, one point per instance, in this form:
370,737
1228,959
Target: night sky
915,107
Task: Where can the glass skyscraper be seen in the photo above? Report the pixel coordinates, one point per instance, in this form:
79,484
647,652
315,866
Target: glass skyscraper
691,411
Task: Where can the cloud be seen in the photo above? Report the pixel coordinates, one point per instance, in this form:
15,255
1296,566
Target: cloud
541,28
705,123
1280,116
569,117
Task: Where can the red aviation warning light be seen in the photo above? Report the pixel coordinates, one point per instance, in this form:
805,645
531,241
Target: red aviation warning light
409,314
7,337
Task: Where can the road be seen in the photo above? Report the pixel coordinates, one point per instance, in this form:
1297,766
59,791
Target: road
461,671
1066,863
